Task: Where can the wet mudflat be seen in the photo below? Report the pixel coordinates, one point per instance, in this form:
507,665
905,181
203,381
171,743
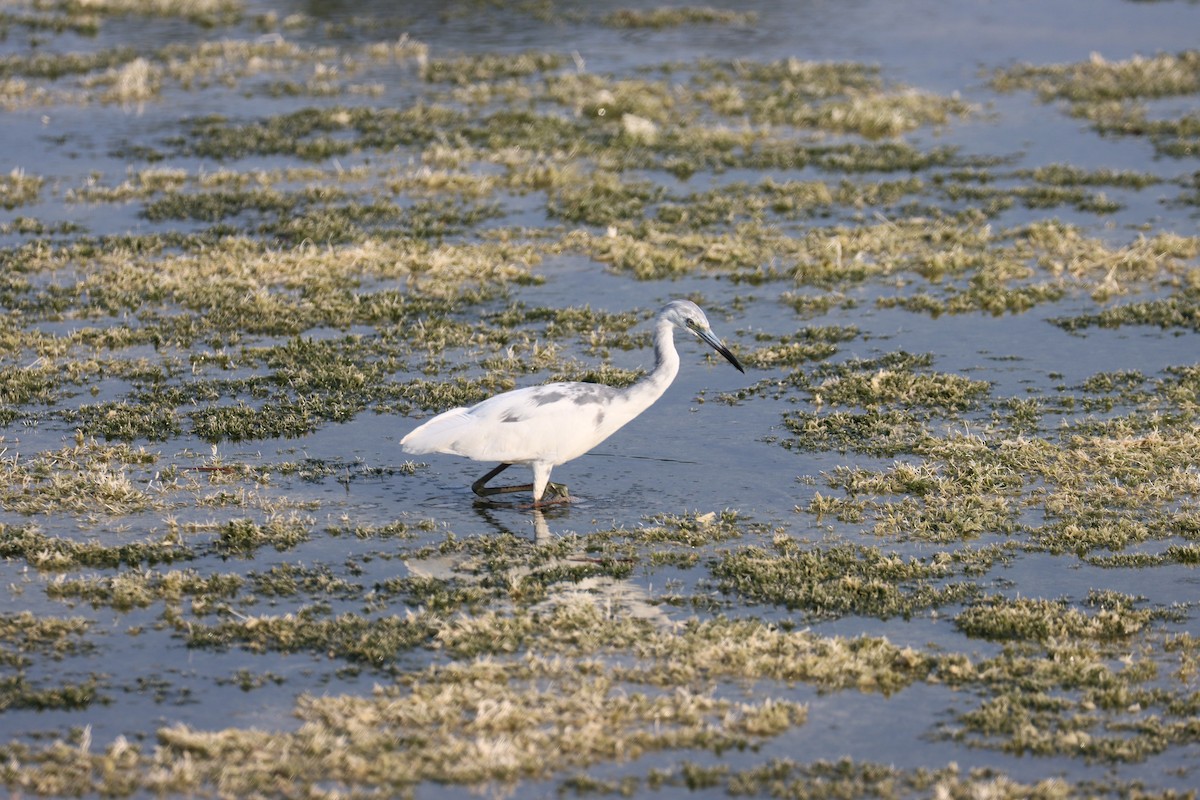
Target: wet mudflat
940,540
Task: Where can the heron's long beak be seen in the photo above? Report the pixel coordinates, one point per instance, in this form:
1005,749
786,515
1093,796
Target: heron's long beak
716,344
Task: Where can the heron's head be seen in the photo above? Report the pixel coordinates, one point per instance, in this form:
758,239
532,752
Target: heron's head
687,315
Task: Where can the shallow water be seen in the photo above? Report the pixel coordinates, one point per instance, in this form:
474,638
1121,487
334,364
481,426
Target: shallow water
695,452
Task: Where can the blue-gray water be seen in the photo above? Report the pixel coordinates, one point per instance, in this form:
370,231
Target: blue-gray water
682,455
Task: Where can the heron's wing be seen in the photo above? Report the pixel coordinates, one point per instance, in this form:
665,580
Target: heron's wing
551,423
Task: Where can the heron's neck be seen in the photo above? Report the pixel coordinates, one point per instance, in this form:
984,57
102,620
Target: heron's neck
666,367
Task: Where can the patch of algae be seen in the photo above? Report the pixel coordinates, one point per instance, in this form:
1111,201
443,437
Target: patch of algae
1111,95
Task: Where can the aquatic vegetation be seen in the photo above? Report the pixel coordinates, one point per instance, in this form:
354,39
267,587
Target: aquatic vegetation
838,580
18,189
209,12
245,537
25,634
1102,709
669,17
58,553
488,67
1109,94
1067,175
139,589
1169,312
83,478
455,707
1100,79
880,433
1039,620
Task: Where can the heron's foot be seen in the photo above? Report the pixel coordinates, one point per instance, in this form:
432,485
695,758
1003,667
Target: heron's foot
555,495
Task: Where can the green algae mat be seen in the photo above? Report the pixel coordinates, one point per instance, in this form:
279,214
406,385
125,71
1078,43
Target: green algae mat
941,540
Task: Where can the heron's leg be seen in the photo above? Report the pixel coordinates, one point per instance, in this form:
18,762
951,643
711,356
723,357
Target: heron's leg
542,487
481,488
556,491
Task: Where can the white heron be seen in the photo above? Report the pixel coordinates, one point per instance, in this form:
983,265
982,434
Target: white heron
544,426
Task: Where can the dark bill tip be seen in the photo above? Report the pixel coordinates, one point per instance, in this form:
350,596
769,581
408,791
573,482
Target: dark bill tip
716,344
731,358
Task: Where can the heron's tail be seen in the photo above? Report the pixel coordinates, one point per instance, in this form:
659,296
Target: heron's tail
438,435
